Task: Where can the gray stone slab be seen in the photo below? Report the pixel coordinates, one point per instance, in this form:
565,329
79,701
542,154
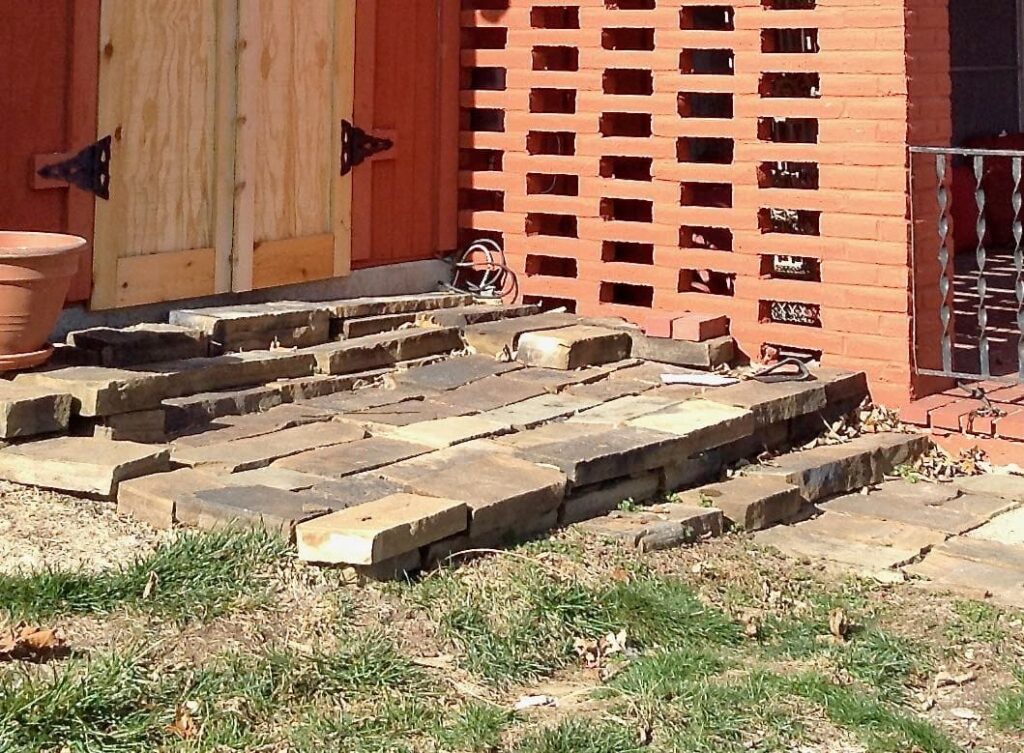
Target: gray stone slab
255,507
352,458
101,391
447,432
489,393
749,503
624,409
355,490
702,468
374,325
142,343
499,489
384,350
935,506
539,410
28,411
196,411
502,337
81,464
259,451
148,426
649,530
606,390
230,428
273,477
1007,528
606,454
976,579
481,313
154,499
573,347
259,325
388,417
453,373
772,403
703,424
1003,486
864,558
706,355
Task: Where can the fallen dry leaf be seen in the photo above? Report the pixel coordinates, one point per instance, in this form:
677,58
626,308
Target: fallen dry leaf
839,624
185,725
30,643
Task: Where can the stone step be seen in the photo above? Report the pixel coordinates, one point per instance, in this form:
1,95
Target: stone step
140,344
102,391
357,308
370,325
258,326
703,355
81,464
829,470
28,410
574,347
749,503
384,350
480,313
501,338
666,526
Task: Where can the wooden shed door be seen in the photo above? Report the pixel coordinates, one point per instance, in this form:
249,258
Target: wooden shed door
226,154
406,89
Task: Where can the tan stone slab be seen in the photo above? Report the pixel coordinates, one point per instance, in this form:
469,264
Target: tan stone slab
595,501
862,557
499,489
939,507
502,337
490,393
384,350
453,373
986,551
887,533
147,426
257,326
81,464
256,452
573,347
703,423
347,308
654,530
446,432
974,579
352,458
540,410
273,477
772,403
749,503
142,343
380,530
155,499
1007,528
1003,486
385,418
27,410
624,409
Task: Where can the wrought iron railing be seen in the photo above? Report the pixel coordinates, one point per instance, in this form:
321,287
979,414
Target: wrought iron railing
967,230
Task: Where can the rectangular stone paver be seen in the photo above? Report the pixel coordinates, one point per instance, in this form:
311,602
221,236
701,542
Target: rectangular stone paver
27,411
591,502
750,503
499,489
772,403
703,424
274,477
255,452
539,410
502,337
142,343
351,308
155,499
101,391
935,506
1007,528
476,314
989,573
573,347
356,490
374,325
380,530
257,326
353,457
255,507
667,527
1003,486
624,409
148,426
453,373
81,464
383,350
490,393
230,428
446,432
709,354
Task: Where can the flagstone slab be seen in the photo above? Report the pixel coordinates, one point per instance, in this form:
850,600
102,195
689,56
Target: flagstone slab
256,452
772,403
256,507
749,503
863,558
163,499
480,313
573,347
489,393
446,432
1001,485
353,457
352,308
384,350
453,373
81,464
374,325
624,409
668,527
596,501
994,576
356,490
274,477
499,489
704,424
1007,528
258,326
541,409
707,355
230,428
377,531
142,343
386,418
28,411
502,337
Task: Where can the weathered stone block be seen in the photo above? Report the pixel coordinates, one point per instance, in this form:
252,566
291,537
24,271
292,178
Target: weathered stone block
81,464
352,308
147,426
453,373
27,411
143,343
539,410
488,394
352,458
230,428
377,531
625,409
195,411
477,314
374,325
262,450
384,350
155,499
356,490
696,471
750,503
1001,485
595,501
502,337
706,355
258,326
387,417
573,347
447,432
703,424
650,531
256,507
772,403
273,477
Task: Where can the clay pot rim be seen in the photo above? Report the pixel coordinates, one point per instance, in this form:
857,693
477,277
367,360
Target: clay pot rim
15,244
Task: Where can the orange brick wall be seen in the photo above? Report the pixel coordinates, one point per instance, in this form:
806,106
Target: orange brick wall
744,157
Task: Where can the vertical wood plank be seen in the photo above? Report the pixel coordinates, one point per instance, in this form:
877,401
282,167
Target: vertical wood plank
344,93
244,224
364,114
226,135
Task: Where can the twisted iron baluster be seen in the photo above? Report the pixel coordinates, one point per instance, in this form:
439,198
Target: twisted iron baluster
1018,261
982,258
945,310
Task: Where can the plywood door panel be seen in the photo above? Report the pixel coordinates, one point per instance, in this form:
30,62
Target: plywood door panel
292,211
161,86
406,89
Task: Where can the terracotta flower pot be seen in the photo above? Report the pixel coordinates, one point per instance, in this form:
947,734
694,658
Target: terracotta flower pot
35,276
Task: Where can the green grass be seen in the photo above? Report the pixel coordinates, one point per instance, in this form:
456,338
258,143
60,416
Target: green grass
577,736
191,577
1008,710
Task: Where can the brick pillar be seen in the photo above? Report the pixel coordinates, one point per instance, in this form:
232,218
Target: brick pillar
747,158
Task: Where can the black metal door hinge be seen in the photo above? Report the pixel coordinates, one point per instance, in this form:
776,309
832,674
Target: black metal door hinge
357,146
88,170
